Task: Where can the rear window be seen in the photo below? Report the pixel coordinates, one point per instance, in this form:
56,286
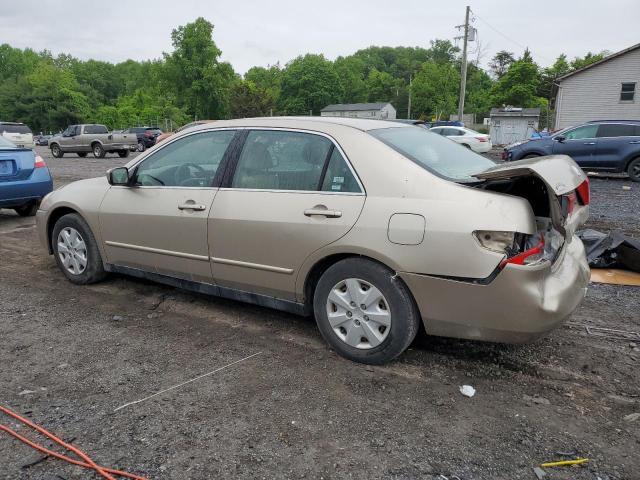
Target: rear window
95,129
618,130
10,128
434,152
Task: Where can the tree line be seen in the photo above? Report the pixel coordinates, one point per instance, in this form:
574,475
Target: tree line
50,92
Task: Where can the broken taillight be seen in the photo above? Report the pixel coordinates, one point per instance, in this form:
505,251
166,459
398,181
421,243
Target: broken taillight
530,255
583,192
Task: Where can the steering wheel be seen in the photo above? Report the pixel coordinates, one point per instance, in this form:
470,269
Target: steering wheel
183,172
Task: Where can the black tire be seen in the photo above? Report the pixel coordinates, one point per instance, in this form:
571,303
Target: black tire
123,153
466,145
531,155
56,151
82,154
98,150
405,318
28,210
633,170
94,271
141,146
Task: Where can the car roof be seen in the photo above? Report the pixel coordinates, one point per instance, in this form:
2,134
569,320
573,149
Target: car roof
312,123
632,122
11,123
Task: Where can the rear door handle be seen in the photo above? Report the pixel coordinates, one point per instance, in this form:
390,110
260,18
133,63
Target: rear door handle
589,143
192,206
634,142
322,211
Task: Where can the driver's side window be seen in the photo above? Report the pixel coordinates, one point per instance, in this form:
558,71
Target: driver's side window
587,131
191,161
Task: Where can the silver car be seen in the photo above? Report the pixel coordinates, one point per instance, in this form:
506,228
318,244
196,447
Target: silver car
371,226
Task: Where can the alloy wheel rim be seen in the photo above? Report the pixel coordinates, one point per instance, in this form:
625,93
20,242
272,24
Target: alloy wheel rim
72,250
636,170
358,313
96,151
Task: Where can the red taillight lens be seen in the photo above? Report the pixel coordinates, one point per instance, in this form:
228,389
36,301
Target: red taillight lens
482,139
583,192
39,163
520,258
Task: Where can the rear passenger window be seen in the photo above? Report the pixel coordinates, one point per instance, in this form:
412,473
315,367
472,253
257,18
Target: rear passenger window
281,160
616,130
339,177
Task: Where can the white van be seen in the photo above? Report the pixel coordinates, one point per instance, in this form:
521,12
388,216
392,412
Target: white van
17,133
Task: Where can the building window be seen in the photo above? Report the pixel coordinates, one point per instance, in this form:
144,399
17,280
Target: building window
627,92
530,123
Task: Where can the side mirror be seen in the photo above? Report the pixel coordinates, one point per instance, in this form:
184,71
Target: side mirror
559,138
118,176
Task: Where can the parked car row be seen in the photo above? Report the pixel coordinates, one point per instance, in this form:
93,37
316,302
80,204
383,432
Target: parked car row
85,138
604,145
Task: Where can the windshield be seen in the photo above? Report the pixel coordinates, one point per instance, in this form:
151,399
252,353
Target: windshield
4,143
434,152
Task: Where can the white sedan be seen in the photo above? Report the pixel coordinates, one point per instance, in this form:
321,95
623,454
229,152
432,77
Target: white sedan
476,141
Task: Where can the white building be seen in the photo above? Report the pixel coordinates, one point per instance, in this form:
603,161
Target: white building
604,90
380,111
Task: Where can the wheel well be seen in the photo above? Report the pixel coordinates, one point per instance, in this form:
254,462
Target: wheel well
320,267
52,144
626,167
93,144
53,218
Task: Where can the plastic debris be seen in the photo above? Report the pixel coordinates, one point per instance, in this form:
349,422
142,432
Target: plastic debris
539,473
467,390
564,463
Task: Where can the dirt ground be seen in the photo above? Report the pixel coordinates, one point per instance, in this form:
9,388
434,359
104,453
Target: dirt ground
71,355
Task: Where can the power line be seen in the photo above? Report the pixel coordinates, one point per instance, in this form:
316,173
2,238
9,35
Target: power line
508,37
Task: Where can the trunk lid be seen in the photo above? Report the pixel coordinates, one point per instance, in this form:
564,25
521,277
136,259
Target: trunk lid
562,177
16,164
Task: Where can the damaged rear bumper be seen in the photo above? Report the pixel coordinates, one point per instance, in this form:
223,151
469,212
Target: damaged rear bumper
521,304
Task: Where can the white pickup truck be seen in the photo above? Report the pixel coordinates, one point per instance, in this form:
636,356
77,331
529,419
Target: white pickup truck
90,137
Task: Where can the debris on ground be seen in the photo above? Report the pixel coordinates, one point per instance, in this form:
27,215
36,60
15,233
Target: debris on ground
615,277
467,390
536,399
613,249
565,463
539,473
632,417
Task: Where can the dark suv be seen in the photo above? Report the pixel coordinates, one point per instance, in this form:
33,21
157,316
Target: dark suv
606,145
146,136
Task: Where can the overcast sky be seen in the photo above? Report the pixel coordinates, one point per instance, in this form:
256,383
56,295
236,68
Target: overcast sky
253,32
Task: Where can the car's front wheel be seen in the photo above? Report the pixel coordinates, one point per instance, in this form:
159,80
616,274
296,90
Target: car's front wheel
633,170
82,154
76,250
364,311
141,146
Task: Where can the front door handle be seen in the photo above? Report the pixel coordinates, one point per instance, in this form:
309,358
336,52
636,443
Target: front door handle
320,211
634,142
589,143
192,206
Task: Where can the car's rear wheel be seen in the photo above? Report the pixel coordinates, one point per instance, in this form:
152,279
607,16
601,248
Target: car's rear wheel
466,145
56,151
531,155
633,170
82,154
76,250
364,312
123,153
98,150
28,210
141,146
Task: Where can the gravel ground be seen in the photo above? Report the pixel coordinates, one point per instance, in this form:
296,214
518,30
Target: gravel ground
71,355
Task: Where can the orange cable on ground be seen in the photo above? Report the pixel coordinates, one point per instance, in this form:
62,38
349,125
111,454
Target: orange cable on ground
90,464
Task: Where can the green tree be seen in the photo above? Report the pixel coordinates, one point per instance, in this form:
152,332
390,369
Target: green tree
381,86
193,70
500,63
351,71
309,83
267,80
435,90
249,100
519,85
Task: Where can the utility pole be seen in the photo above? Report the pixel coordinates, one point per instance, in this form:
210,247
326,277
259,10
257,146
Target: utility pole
409,104
463,72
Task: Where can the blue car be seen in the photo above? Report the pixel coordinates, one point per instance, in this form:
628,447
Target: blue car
24,179
604,145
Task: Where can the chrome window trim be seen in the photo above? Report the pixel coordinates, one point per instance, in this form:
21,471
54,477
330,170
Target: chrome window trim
308,132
